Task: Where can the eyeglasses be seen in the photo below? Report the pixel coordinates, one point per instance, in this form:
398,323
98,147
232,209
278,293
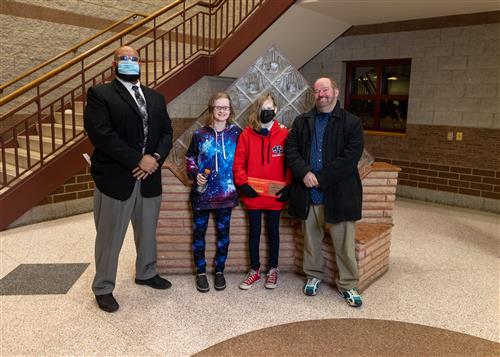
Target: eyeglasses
222,109
128,58
321,91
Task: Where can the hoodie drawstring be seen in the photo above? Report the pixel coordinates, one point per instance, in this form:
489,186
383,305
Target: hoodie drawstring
262,150
217,151
268,149
223,147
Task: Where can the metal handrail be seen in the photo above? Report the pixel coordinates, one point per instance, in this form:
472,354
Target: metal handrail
84,55
72,49
95,49
184,35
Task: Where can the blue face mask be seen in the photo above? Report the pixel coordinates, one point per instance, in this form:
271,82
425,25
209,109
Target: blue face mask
128,67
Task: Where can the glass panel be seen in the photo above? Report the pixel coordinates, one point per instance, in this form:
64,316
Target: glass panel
364,109
252,84
239,99
364,80
396,80
272,63
287,115
393,114
291,83
280,100
305,101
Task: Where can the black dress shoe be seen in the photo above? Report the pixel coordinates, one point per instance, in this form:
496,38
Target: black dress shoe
156,282
107,302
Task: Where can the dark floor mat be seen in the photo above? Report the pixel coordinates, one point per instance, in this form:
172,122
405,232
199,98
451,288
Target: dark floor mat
41,279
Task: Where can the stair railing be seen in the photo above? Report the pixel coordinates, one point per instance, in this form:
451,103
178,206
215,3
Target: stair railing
73,49
167,40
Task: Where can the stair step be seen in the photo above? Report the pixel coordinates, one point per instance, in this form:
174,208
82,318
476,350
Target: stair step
11,172
34,142
11,169
68,118
151,68
22,157
58,130
78,107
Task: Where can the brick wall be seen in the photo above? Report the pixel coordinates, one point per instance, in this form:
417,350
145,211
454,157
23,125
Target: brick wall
79,186
428,160
463,180
379,193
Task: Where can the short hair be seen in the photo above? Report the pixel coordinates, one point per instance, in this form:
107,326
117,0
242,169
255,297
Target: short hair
211,104
254,117
332,82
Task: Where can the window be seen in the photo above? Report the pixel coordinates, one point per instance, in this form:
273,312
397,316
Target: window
377,92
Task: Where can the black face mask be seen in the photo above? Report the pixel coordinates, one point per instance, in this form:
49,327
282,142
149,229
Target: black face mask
132,78
266,115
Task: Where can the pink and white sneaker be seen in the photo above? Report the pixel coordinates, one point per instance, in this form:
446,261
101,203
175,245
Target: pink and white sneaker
272,278
251,279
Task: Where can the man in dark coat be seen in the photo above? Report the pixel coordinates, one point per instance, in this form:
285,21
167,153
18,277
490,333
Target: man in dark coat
322,151
130,129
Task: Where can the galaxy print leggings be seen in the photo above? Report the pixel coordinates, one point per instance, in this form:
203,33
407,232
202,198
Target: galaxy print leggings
222,220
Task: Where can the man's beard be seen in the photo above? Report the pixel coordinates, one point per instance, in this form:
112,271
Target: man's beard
132,78
323,103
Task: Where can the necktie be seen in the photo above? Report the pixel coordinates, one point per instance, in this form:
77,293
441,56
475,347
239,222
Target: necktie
144,113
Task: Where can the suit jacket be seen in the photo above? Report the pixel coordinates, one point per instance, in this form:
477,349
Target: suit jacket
114,126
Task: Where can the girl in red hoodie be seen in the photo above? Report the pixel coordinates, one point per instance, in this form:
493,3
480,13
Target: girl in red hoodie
260,155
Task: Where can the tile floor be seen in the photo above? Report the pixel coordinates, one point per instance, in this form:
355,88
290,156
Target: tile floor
444,272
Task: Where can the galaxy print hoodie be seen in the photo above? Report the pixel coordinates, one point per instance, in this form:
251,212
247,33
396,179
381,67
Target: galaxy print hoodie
215,151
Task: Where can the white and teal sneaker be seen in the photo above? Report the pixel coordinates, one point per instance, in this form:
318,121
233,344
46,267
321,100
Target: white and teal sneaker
312,286
352,297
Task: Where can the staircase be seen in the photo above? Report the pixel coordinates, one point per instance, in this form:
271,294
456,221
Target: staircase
178,45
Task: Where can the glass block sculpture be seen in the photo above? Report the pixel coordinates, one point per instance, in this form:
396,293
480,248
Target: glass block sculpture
271,73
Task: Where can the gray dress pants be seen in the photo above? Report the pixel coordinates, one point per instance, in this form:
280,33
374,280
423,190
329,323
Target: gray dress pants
112,218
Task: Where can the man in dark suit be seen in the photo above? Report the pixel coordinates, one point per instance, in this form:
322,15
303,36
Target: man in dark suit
322,151
130,129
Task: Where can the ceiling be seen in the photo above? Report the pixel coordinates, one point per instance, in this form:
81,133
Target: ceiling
365,12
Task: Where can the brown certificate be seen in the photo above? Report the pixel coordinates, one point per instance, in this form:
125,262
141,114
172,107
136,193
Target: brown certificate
266,187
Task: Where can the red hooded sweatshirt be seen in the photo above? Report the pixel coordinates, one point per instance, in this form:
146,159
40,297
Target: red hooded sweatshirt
261,156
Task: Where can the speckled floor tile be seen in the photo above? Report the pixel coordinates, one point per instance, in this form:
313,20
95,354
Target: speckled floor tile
444,272
7,264
55,325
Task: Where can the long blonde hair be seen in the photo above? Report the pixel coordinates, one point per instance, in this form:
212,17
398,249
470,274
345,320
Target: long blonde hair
211,104
253,118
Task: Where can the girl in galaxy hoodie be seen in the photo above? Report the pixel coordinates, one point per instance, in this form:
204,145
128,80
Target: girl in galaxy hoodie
260,154
212,147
